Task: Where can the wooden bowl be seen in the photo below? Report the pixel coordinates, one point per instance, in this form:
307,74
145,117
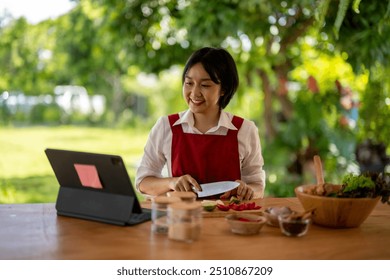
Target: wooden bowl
245,224
336,212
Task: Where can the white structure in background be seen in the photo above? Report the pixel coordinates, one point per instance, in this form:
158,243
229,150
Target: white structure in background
17,101
71,99
76,99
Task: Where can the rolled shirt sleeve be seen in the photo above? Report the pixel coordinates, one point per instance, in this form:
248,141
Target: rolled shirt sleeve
251,157
155,158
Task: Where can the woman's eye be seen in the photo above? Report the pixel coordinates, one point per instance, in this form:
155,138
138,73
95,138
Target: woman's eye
206,86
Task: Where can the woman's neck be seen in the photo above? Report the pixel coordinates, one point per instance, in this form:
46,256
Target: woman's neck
203,122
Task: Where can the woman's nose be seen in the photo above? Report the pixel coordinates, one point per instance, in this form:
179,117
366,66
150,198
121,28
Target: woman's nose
195,91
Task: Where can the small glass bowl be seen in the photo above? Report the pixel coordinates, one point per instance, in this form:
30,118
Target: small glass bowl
272,214
295,227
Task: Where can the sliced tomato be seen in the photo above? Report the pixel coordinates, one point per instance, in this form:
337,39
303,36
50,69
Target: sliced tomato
237,207
244,219
223,207
242,207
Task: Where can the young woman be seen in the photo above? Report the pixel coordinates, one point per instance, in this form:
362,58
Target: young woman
204,144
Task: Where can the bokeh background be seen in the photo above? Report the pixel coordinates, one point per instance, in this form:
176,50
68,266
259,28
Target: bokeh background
96,74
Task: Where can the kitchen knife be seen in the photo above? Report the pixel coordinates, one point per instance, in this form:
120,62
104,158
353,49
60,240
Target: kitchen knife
216,188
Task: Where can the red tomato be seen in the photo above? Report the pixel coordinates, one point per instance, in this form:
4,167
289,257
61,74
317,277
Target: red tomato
244,220
223,207
239,207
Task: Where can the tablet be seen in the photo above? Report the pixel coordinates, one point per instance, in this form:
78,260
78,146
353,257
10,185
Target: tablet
96,187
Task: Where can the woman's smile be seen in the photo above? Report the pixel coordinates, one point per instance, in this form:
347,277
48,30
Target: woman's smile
197,101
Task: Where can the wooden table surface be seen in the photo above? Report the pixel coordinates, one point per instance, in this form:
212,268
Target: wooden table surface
34,231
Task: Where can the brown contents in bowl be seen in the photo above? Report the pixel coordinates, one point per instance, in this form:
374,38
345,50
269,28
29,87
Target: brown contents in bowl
294,224
294,228
324,189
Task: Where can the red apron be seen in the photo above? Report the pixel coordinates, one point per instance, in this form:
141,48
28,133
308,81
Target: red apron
207,158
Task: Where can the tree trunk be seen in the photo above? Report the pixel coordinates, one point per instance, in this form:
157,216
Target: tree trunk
282,93
270,131
117,95
117,98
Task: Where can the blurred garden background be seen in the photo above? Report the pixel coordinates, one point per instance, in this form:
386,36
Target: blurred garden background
314,77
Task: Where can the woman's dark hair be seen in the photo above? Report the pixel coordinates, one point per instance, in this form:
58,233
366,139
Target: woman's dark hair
220,65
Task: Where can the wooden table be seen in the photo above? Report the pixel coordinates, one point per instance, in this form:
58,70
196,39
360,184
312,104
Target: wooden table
34,231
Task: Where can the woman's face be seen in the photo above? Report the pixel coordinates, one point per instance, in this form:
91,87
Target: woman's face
200,92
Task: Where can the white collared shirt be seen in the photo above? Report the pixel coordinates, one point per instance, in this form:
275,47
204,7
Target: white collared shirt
157,152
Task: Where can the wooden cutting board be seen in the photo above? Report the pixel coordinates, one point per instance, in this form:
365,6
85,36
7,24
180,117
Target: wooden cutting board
218,213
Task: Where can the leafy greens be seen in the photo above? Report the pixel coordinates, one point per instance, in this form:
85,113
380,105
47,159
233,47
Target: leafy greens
368,184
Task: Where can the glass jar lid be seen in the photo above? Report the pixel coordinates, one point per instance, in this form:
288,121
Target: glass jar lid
182,195
185,207
165,200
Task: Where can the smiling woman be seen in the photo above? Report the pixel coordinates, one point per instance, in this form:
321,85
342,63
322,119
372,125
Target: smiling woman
204,144
37,10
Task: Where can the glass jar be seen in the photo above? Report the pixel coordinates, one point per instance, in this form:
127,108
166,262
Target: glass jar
184,196
184,221
159,213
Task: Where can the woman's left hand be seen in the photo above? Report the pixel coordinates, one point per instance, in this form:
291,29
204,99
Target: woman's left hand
243,192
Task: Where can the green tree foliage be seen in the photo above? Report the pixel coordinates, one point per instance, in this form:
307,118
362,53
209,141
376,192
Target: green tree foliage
23,58
296,61
362,29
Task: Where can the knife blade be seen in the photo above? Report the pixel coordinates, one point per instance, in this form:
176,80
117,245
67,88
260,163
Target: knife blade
216,188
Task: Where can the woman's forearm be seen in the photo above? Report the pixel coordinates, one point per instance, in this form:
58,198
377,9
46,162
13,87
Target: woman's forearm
156,186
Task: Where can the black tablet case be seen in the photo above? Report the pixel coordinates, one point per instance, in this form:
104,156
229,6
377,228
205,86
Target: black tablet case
113,204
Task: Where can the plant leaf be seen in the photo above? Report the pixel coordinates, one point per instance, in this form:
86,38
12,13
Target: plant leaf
321,12
355,6
342,10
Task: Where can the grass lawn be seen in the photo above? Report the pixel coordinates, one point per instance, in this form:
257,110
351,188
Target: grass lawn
25,173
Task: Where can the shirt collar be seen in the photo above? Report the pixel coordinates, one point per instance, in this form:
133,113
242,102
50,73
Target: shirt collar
186,118
224,121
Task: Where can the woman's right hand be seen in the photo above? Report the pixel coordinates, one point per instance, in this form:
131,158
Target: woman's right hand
185,183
